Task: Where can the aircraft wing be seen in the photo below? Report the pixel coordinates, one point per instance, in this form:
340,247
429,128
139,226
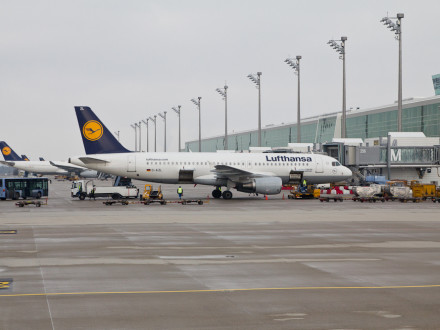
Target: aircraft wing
7,163
68,168
236,174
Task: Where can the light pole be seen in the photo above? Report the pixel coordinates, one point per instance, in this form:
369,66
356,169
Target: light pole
146,124
164,116
257,81
224,92
295,66
117,134
197,103
140,136
154,121
397,28
340,48
178,114
134,126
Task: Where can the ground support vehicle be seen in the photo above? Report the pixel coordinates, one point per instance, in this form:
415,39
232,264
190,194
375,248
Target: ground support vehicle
152,195
301,192
424,191
83,189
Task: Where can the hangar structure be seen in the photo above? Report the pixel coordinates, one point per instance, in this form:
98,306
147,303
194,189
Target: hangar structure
418,115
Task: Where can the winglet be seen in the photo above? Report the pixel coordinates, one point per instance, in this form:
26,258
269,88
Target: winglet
96,137
8,153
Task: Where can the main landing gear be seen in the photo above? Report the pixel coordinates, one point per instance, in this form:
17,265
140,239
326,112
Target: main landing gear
227,194
216,193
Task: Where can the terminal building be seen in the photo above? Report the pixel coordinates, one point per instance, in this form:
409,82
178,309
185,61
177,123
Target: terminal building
369,147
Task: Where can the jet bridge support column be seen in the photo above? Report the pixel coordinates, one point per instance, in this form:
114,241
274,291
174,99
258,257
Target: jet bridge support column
389,157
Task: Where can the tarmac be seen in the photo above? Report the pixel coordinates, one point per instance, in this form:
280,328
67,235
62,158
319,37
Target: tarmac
245,263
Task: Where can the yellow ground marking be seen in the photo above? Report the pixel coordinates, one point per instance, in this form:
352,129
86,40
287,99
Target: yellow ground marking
11,231
226,290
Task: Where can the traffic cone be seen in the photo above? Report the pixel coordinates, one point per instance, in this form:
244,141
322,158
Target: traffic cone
283,196
265,197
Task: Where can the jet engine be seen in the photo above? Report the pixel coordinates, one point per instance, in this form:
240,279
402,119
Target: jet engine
89,174
267,185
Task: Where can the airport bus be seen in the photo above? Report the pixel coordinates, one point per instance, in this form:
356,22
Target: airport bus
15,188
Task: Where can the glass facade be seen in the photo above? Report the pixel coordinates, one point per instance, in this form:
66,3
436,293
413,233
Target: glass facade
421,118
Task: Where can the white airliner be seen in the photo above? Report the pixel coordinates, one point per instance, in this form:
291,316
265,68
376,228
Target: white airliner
42,166
263,173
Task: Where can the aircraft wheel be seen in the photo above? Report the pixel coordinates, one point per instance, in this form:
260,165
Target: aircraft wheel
227,194
216,193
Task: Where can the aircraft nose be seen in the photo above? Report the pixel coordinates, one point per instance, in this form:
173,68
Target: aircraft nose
347,172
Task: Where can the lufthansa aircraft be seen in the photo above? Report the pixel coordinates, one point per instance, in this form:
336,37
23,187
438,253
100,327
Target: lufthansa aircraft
263,173
42,167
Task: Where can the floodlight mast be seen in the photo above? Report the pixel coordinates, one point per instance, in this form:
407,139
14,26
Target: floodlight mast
296,66
340,48
178,114
197,103
140,136
155,140
396,27
164,116
146,124
224,93
134,126
257,81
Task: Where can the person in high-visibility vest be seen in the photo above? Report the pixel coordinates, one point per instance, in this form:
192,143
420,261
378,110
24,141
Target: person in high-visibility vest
180,192
304,183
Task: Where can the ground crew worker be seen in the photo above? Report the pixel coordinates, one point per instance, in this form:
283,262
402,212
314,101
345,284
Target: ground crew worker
180,192
92,193
304,186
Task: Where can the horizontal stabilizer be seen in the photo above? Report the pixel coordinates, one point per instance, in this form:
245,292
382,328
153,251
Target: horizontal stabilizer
91,160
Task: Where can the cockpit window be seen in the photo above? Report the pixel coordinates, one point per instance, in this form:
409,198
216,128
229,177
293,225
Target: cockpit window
336,164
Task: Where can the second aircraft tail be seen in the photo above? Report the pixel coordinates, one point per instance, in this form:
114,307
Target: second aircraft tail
8,153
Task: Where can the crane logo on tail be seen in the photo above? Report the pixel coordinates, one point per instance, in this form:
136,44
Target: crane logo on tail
6,151
92,130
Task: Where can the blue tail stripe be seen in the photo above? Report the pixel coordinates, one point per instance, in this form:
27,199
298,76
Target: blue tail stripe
96,137
10,155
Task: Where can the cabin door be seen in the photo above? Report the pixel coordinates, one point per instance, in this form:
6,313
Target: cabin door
131,163
319,166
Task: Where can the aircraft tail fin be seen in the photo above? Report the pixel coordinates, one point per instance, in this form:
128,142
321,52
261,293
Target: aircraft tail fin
96,137
41,159
8,153
24,157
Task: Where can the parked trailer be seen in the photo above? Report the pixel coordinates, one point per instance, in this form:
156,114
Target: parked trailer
191,201
337,194
83,189
25,203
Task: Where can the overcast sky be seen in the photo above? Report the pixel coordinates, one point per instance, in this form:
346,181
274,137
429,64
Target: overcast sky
128,60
